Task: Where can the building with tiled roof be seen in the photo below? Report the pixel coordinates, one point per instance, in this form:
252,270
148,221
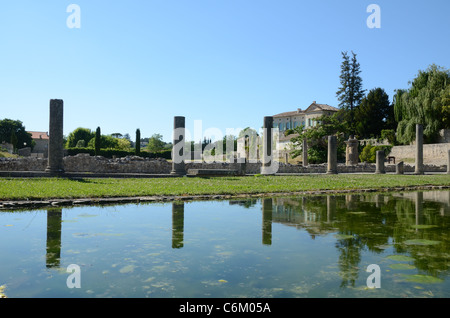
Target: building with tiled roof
292,119
41,141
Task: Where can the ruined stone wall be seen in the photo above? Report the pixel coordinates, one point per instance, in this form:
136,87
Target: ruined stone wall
98,164
436,154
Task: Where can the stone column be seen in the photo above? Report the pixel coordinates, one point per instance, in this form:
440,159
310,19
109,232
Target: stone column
419,149
305,152
351,153
178,167
267,157
55,146
380,162
332,155
448,162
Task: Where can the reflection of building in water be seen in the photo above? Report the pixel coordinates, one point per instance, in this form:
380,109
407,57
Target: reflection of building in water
442,198
300,213
177,224
54,219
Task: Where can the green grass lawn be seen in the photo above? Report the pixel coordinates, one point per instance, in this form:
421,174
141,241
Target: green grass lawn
53,188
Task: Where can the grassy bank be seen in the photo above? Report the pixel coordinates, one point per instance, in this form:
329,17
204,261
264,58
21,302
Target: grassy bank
33,189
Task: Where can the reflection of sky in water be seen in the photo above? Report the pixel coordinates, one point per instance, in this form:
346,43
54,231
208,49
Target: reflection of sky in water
281,247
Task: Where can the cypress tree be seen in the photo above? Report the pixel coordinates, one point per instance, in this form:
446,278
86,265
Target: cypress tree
350,93
138,142
97,141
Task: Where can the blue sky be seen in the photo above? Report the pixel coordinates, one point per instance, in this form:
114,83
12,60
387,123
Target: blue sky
137,64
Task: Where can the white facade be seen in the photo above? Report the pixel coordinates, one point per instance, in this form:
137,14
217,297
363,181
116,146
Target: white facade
305,118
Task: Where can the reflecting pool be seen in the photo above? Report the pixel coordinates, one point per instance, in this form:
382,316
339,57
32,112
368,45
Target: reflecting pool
308,246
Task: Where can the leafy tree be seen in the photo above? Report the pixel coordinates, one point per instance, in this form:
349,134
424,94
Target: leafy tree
13,130
81,144
138,142
123,144
106,142
97,141
317,138
369,152
79,134
350,93
372,114
426,102
155,143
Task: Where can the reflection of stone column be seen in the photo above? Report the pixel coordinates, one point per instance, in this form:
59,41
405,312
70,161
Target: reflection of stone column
380,162
331,208
332,155
419,207
55,145
177,225
178,166
305,152
419,149
267,209
267,157
54,219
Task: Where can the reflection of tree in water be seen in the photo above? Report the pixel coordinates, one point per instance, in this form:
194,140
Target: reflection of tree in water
248,203
349,258
375,222
421,221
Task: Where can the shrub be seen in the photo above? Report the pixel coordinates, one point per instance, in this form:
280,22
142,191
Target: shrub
369,152
109,153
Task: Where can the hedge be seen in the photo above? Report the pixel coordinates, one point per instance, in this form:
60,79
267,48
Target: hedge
109,153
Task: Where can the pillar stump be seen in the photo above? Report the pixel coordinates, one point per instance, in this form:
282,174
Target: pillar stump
178,167
351,152
332,155
305,153
448,162
399,169
419,150
55,146
380,162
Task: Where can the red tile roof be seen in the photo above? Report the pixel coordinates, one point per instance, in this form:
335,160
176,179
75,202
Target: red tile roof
38,135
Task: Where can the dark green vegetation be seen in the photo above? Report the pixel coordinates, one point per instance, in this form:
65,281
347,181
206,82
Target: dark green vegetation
32,189
13,131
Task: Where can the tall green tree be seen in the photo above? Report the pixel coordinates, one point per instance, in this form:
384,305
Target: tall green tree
79,134
372,114
155,143
426,102
350,93
13,130
97,142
